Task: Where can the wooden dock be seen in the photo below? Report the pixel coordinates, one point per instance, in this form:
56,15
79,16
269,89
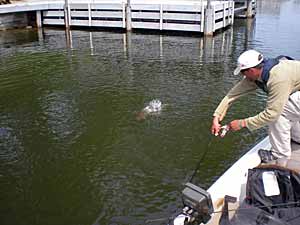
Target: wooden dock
192,16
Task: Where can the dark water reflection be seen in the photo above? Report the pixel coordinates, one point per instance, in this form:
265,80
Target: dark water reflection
71,151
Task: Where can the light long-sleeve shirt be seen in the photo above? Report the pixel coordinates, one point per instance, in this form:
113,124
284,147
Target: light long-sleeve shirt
284,80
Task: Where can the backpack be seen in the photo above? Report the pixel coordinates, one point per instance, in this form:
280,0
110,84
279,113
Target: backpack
272,197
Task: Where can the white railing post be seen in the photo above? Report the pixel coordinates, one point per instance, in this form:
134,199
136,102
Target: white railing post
69,13
39,22
202,17
124,15
232,10
209,20
66,14
214,18
128,16
90,14
161,17
249,12
224,14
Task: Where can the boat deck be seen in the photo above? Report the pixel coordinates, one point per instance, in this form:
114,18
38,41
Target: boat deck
292,163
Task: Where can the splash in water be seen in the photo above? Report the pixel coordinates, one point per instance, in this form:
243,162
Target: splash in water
153,107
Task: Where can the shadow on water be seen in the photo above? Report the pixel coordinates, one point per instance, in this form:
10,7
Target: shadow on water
72,151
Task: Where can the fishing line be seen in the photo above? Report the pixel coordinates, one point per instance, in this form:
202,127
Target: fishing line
190,180
201,159
223,131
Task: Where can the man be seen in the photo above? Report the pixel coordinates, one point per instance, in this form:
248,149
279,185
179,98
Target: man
280,79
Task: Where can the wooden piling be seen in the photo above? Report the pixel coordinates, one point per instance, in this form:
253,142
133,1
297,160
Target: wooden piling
39,22
249,12
208,20
66,14
128,16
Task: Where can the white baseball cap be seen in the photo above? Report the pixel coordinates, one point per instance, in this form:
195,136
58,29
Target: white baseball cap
248,59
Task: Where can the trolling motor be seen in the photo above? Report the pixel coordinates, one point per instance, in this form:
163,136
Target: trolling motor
197,206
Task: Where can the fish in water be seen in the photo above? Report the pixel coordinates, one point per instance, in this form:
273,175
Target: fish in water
154,106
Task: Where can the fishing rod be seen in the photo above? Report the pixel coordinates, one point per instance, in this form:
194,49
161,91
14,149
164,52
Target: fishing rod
201,160
223,131
191,192
197,202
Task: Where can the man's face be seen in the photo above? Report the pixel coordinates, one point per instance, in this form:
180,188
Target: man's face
251,74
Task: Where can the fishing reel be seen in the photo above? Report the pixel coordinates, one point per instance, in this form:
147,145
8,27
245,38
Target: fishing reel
223,131
197,206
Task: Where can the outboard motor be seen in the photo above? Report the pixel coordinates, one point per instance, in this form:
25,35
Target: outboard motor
197,206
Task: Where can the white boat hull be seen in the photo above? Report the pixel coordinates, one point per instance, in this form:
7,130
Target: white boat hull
233,181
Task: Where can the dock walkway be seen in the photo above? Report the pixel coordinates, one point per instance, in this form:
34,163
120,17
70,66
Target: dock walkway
184,15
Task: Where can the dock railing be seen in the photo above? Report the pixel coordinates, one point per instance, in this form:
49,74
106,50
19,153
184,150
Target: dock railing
181,16
160,15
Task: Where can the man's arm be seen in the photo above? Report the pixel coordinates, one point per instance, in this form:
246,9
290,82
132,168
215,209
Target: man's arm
241,88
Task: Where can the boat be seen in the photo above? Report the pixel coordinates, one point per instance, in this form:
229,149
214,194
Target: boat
226,202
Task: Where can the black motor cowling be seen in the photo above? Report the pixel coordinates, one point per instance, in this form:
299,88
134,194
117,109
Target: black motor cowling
197,206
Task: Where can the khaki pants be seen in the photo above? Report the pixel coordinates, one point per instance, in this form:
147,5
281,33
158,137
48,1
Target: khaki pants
287,127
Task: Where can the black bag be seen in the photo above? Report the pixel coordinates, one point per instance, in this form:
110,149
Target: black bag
262,208
285,205
288,183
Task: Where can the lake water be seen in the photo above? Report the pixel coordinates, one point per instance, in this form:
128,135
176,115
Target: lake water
71,149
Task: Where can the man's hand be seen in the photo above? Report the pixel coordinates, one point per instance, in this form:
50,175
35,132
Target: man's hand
216,126
236,125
